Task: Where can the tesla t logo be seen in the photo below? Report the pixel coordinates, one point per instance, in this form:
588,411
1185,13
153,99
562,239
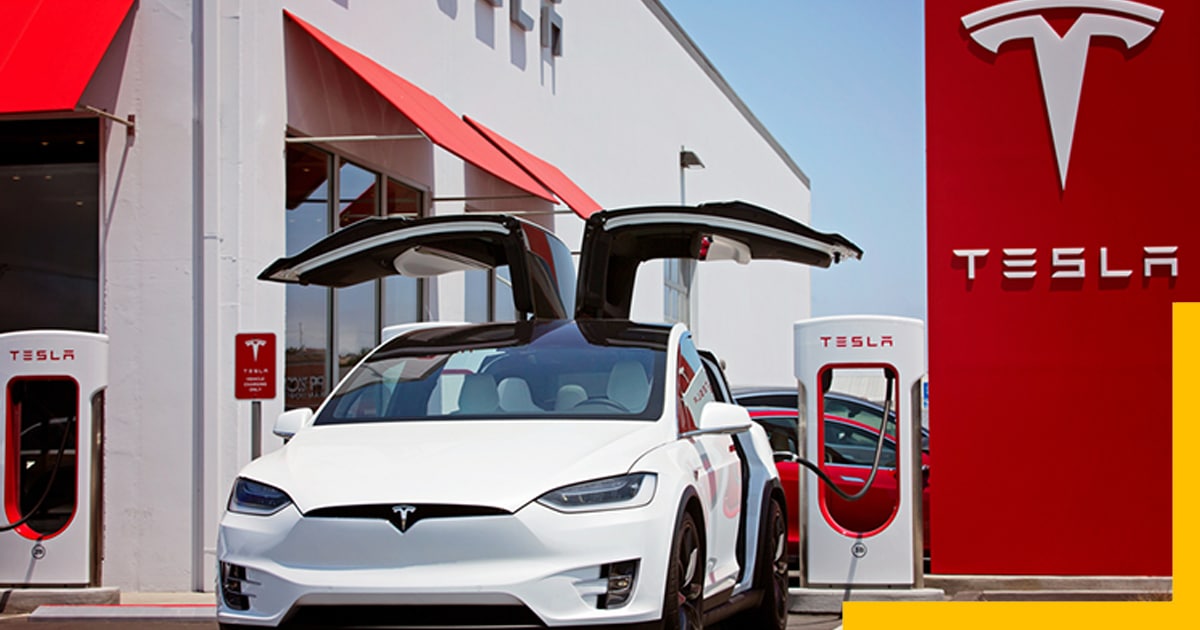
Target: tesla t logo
403,511
254,345
1061,59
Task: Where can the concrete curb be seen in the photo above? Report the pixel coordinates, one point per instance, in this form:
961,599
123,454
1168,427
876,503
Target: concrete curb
954,584
996,588
126,612
26,600
829,600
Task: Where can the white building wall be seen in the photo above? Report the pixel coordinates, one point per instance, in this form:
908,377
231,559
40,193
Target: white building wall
149,310
195,210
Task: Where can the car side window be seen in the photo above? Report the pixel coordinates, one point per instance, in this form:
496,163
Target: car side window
786,400
861,413
838,408
855,446
716,376
694,390
781,432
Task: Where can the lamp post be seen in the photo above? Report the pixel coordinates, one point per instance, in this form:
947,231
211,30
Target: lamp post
679,273
687,160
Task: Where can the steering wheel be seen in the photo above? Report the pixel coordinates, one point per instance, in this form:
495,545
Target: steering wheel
603,402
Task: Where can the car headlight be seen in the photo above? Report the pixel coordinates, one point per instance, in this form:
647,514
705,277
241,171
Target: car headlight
626,491
252,497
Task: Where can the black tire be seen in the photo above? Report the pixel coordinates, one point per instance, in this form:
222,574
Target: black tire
683,598
771,575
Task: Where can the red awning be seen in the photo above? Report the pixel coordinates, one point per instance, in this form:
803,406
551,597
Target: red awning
433,118
543,171
49,50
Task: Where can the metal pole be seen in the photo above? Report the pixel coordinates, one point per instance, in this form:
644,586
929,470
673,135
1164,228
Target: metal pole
255,429
360,138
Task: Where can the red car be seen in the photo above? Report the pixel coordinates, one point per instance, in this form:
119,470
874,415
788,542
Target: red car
849,451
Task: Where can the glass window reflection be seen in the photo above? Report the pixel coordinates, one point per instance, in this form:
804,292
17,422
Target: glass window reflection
306,308
401,294
357,330
327,330
357,194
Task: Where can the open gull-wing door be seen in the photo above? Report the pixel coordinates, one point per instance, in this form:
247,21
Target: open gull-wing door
616,242
540,264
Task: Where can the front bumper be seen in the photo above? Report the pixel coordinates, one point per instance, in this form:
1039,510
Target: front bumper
545,561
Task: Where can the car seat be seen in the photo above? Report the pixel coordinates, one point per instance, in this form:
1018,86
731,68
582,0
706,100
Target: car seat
478,394
514,395
568,396
628,385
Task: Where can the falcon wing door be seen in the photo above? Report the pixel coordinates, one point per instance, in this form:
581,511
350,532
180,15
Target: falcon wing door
616,242
543,278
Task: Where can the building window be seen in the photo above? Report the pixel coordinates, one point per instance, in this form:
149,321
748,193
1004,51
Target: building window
50,224
677,289
307,308
329,330
355,311
402,296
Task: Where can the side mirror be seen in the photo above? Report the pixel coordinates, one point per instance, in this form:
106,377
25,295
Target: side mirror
289,422
723,418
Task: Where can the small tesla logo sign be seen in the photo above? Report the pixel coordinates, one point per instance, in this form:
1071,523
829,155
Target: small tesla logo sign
254,344
403,511
1061,60
254,366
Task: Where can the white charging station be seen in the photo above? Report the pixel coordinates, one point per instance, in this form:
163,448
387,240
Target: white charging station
50,440
887,551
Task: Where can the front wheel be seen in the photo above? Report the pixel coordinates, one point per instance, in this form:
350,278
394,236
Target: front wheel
771,575
683,599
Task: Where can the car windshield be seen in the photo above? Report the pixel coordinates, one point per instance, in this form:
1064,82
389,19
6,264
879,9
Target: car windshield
526,370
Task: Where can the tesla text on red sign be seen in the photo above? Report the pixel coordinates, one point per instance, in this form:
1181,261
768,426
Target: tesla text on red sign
255,366
1050,296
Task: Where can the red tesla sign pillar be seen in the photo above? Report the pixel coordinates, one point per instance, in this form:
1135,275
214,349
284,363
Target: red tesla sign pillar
254,366
1062,224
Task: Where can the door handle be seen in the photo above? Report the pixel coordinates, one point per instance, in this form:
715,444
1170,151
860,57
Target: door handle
855,479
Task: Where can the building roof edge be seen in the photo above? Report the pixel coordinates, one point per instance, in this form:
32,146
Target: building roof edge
656,7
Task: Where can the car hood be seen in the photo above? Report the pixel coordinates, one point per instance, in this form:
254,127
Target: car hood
502,464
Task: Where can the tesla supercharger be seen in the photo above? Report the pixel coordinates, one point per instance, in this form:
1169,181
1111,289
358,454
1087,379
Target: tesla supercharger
868,359
50,440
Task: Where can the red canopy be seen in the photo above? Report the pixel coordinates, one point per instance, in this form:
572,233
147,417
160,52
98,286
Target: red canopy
433,118
49,50
543,171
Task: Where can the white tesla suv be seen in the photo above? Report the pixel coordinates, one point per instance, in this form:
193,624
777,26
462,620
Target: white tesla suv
540,473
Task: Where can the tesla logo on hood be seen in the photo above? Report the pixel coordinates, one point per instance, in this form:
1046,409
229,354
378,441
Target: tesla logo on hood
1061,59
403,512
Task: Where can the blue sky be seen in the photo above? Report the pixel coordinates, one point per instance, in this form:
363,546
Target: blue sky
840,84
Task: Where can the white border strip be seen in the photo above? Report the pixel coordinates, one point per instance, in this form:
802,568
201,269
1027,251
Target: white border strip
395,236
749,227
